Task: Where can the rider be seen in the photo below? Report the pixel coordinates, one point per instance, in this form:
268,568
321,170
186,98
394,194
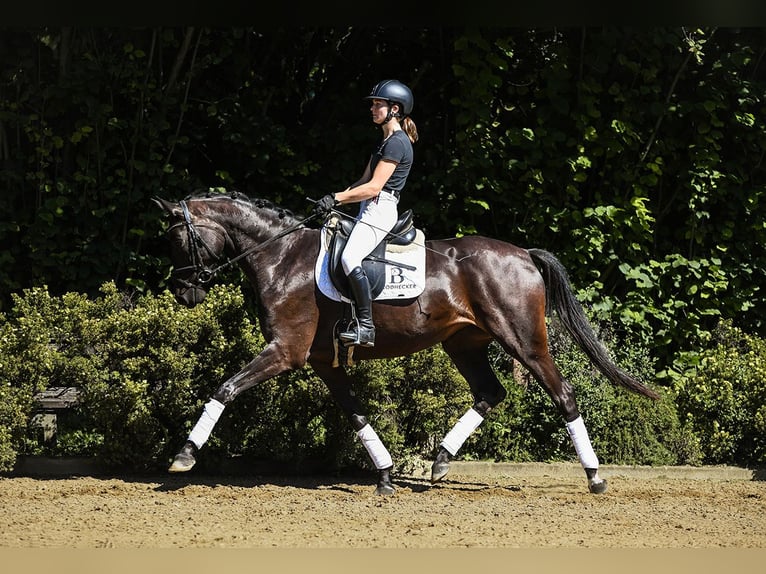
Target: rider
377,191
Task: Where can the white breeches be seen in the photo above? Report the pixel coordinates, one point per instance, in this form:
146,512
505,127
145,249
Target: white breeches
375,220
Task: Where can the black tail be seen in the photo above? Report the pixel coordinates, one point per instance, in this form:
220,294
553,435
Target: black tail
561,299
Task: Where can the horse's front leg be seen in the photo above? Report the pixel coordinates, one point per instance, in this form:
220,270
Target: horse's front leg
271,362
340,386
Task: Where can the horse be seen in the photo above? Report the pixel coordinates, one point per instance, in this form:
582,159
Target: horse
477,290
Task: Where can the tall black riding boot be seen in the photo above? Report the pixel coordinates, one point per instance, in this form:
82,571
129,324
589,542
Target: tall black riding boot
363,331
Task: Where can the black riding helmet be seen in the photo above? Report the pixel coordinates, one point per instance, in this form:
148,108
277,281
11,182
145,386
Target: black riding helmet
394,92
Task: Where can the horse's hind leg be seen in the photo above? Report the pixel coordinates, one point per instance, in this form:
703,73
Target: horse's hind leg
526,338
468,350
340,386
538,361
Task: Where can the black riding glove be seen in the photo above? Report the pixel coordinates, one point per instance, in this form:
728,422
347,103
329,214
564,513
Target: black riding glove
325,205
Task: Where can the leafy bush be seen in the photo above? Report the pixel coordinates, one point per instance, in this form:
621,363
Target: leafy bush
288,419
724,402
31,360
159,363
145,366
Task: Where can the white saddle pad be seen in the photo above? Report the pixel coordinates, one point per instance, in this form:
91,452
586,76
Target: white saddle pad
401,283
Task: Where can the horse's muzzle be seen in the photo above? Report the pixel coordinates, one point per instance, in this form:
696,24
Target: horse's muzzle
189,296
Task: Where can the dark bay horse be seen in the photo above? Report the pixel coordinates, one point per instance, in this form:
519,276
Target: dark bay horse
477,290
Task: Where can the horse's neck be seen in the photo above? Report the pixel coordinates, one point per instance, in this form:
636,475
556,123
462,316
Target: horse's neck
252,229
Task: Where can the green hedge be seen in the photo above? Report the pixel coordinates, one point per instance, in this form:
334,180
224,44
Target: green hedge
724,399
144,368
146,365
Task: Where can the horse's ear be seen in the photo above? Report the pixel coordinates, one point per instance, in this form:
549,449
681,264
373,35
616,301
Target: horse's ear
172,208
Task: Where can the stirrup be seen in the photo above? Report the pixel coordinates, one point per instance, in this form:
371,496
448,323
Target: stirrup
354,336
350,338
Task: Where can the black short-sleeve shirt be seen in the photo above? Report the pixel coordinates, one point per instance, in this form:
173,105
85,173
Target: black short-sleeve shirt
398,149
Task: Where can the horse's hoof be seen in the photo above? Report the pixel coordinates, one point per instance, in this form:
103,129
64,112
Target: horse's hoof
385,487
597,487
440,467
438,471
385,490
182,462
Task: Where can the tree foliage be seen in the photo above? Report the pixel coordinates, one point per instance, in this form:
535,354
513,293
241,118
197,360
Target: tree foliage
636,155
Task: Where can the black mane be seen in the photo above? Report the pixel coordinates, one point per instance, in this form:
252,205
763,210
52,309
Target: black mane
282,213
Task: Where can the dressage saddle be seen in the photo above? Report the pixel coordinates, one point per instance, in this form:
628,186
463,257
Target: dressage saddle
374,265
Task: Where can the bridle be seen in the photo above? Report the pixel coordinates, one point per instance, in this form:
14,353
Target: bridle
203,273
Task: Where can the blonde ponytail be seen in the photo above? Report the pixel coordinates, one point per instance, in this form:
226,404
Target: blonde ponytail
410,129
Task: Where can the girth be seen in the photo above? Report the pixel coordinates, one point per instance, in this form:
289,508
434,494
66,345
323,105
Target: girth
374,265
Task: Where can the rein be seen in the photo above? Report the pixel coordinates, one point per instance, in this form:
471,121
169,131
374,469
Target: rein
205,274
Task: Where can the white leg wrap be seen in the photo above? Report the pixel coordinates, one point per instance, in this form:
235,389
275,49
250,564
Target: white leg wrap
579,435
375,448
201,431
463,428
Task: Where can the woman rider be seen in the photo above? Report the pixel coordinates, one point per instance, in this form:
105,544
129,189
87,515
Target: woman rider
377,192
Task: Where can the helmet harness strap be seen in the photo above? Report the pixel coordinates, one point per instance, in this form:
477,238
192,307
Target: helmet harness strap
391,113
